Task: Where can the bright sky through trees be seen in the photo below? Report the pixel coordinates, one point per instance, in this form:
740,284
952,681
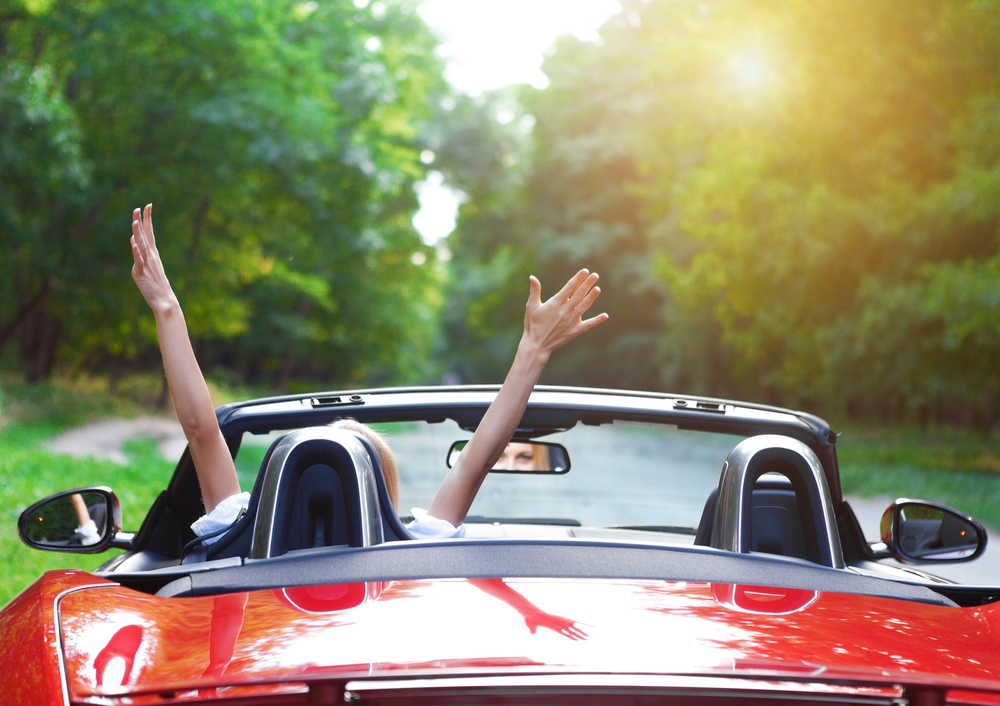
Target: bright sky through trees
489,44
494,43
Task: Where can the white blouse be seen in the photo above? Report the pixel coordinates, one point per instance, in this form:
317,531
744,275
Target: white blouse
424,526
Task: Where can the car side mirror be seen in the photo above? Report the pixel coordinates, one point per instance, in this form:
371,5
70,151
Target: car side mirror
918,532
83,520
523,457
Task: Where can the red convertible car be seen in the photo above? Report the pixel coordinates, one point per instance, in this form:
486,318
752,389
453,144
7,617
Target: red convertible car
643,548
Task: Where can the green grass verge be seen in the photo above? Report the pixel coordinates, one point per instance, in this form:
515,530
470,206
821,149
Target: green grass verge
28,473
32,414
950,466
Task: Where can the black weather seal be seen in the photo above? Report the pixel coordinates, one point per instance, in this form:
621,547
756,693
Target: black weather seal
550,559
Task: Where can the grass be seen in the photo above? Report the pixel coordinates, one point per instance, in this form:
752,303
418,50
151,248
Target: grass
29,473
951,466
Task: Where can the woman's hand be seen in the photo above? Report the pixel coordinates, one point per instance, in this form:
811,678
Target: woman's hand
546,327
559,320
147,270
555,623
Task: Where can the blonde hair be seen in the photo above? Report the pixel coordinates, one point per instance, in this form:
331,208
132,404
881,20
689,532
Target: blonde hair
542,462
386,458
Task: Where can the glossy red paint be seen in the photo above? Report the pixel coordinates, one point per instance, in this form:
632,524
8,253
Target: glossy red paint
29,641
976,698
119,641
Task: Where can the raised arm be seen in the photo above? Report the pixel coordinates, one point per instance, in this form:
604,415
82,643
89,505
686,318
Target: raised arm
212,460
546,327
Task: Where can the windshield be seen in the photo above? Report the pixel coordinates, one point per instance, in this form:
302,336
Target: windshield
621,475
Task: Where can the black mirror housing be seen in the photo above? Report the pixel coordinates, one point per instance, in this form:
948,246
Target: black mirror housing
84,520
920,532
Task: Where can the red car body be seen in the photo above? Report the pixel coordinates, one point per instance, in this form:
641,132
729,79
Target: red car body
617,634
63,635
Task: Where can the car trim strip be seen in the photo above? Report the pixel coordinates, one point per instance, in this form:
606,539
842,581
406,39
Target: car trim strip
57,619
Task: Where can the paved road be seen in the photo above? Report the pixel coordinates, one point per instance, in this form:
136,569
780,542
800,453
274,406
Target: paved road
105,439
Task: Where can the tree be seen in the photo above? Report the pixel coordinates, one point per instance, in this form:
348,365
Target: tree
793,202
280,143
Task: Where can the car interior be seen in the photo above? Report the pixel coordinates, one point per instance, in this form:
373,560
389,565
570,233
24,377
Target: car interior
319,535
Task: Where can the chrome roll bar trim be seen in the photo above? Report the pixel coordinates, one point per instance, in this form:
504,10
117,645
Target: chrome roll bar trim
732,531
346,446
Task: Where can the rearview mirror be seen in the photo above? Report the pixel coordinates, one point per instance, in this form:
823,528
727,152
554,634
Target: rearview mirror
523,457
82,520
919,532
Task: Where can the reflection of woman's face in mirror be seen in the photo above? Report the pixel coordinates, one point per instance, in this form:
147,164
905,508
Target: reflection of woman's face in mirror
517,457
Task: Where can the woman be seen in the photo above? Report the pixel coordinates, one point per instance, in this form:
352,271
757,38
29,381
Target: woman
522,456
547,326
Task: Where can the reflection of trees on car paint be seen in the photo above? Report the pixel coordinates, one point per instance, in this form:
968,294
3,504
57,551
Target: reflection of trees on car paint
772,637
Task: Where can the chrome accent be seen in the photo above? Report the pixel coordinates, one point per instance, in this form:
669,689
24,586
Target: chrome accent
346,447
57,642
731,531
122,540
805,687
880,550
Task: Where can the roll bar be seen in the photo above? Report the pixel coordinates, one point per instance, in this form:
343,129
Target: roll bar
346,455
766,453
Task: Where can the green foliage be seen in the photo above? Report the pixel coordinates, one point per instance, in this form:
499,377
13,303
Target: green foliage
31,414
483,148
55,405
279,141
817,218
793,202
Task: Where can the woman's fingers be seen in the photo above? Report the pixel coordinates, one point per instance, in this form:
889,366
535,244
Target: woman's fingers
560,319
570,287
534,292
138,237
147,222
592,322
142,234
588,300
583,288
136,255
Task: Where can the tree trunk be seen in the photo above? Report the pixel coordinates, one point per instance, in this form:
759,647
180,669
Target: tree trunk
199,221
39,342
116,374
164,395
7,330
288,359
